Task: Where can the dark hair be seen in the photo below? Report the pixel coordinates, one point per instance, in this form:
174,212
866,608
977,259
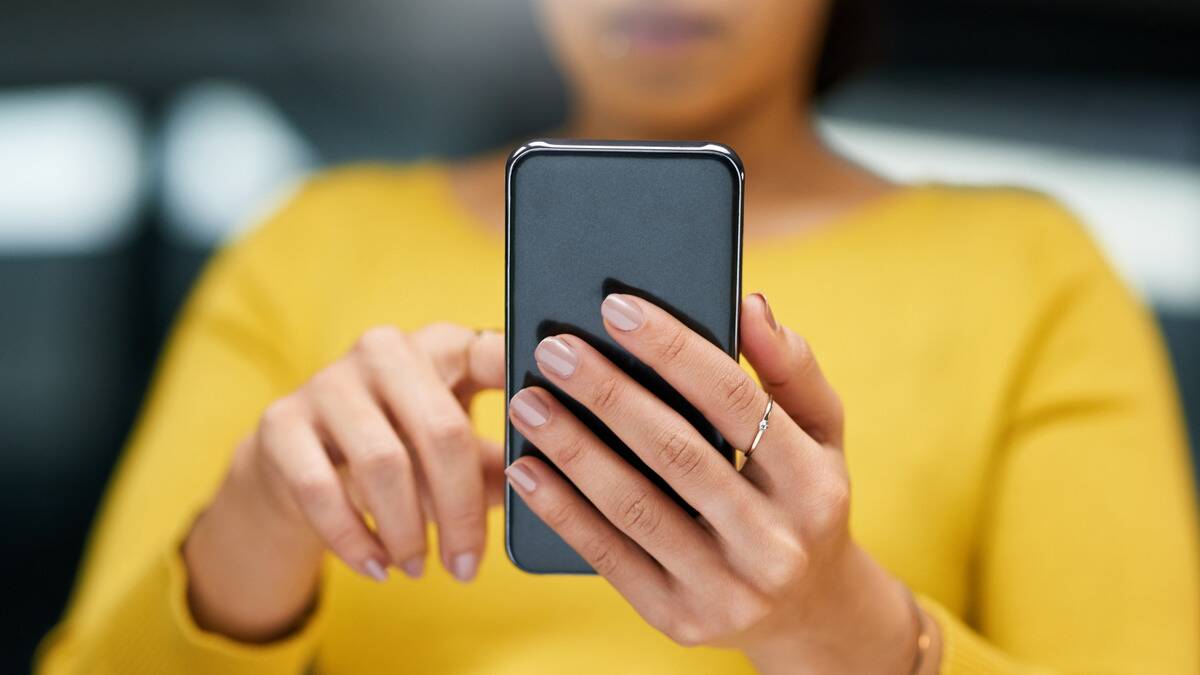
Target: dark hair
852,42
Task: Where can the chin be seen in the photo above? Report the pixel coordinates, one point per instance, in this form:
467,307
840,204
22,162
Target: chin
660,112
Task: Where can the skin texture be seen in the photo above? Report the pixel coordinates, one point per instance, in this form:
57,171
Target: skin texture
770,568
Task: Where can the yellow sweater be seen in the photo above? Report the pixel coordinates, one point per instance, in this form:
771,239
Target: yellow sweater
1013,437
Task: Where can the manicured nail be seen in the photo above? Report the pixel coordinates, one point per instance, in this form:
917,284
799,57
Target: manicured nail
767,311
375,570
464,566
528,407
621,312
414,567
520,477
554,353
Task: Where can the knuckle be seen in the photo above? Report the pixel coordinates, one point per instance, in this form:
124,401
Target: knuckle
313,490
677,452
600,552
685,631
440,329
739,392
833,513
379,457
463,518
379,339
606,394
560,515
450,434
839,496
280,413
835,415
569,451
787,560
638,514
672,344
343,537
330,378
745,610
805,359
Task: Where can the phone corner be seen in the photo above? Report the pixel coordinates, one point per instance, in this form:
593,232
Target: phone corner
523,151
729,155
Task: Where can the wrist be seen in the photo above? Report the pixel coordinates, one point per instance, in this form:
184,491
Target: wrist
929,661
859,621
252,568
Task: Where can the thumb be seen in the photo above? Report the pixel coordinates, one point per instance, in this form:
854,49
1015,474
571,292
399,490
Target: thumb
788,371
467,360
485,360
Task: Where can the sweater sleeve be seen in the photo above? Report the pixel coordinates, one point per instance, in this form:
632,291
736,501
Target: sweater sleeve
1088,560
224,362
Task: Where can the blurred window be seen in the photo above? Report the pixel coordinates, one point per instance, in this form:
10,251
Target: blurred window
71,169
228,155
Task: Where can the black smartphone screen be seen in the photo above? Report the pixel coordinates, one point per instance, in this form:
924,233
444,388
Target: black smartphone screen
584,219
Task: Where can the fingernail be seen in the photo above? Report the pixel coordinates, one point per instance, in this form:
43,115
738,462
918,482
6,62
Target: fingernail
621,312
464,566
375,570
528,407
414,567
521,477
767,311
554,353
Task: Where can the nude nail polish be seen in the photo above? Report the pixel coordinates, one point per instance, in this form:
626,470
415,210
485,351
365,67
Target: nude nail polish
554,354
621,312
414,567
464,566
521,477
375,570
529,408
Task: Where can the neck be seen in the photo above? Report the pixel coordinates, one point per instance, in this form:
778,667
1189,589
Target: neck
793,179
773,136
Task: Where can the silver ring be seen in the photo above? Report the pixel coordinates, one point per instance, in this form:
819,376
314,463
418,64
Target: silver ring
762,426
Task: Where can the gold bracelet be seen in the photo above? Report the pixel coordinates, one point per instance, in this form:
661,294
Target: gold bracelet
924,639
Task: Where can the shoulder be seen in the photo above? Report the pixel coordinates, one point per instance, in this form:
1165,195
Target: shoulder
362,194
371,183
336,224
1023,239
344,212
1008,220
1028,261
1005,265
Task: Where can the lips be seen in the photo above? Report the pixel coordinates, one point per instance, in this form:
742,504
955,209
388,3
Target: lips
661,29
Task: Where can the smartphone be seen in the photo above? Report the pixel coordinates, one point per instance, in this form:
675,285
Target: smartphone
662,221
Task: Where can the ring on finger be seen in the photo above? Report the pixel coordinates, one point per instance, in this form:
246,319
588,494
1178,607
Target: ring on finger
762,427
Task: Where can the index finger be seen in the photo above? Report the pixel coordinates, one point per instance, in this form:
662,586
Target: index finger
467,360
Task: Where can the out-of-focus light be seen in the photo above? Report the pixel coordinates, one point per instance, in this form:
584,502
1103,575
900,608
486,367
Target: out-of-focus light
71,170
228,156
1145,214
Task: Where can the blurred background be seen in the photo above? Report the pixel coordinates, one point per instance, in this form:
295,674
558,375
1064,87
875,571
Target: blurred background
136,135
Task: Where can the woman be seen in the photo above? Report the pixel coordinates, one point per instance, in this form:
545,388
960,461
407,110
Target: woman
1011,434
